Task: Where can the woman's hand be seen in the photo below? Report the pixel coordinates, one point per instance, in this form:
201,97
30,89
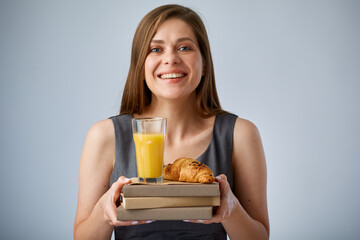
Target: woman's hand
228,202
110,201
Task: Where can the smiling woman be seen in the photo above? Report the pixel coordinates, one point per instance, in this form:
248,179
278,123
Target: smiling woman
174,66
136,94
171,76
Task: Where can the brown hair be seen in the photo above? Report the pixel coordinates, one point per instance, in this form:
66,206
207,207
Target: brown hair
136,94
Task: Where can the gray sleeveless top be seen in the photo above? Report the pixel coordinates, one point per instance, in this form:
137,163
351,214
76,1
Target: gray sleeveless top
218,156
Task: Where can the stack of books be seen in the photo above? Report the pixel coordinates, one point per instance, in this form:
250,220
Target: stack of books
168,201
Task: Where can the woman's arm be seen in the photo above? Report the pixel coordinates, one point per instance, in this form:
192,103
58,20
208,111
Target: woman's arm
95,168
243,212
96,209
250,180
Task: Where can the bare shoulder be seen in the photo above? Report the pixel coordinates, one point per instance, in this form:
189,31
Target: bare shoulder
98,153
101,131
245,131
99,147
100,143
248,149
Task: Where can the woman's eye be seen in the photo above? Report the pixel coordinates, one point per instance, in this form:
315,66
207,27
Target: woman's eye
155,50
184,48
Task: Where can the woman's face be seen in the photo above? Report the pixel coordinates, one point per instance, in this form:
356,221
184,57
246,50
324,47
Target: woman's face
174,65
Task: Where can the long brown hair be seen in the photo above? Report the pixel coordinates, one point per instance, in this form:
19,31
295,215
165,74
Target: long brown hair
137,95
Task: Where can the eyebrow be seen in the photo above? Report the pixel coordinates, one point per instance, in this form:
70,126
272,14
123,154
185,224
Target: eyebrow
177,41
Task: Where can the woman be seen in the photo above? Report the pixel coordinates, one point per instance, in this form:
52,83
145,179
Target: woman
171,75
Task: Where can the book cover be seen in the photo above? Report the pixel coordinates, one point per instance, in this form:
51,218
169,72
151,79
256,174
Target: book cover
162,202
170,188
179,213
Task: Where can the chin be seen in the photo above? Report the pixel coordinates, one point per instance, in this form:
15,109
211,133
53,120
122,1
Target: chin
171,96
172,93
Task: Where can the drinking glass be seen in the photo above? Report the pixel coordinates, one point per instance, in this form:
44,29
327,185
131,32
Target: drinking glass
149,138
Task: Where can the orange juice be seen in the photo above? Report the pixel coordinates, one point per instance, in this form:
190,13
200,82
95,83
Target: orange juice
149,154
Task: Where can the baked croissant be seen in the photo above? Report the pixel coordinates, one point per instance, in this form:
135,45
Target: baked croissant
188,170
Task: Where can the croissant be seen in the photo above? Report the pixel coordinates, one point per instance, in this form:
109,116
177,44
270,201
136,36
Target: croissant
188,170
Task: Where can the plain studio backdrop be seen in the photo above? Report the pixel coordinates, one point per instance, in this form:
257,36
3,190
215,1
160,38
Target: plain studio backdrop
291,67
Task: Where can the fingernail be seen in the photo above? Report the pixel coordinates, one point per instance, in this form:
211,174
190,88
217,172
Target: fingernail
127,179
200,220
186,220
134,222
218,177
149,221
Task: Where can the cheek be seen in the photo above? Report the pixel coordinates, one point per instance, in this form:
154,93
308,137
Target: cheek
149,67
199,66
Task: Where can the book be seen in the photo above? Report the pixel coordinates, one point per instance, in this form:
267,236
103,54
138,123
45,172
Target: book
162,202
177,213
171,188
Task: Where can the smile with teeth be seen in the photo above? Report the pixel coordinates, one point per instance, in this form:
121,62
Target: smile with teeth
172,75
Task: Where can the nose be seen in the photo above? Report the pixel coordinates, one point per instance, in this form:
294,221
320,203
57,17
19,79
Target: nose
171,57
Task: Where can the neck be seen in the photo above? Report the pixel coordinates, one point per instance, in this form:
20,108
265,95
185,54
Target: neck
181,115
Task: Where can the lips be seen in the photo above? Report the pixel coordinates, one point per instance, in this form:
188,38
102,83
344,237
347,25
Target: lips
171,75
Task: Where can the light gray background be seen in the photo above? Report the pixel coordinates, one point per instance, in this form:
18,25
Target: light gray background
291,67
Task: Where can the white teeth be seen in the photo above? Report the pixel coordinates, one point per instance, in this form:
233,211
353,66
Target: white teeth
172,75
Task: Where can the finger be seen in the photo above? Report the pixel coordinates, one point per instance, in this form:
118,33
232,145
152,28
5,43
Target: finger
222,210
223,184
112,215
117,186
120,182
124,223
204,221
129,223
199,221
217,218
221,177
218,213
124,179
111,201
110,210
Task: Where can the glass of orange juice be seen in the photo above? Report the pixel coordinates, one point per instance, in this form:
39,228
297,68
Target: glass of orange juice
149,138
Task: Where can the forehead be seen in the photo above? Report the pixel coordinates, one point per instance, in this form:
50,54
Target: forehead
174,28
